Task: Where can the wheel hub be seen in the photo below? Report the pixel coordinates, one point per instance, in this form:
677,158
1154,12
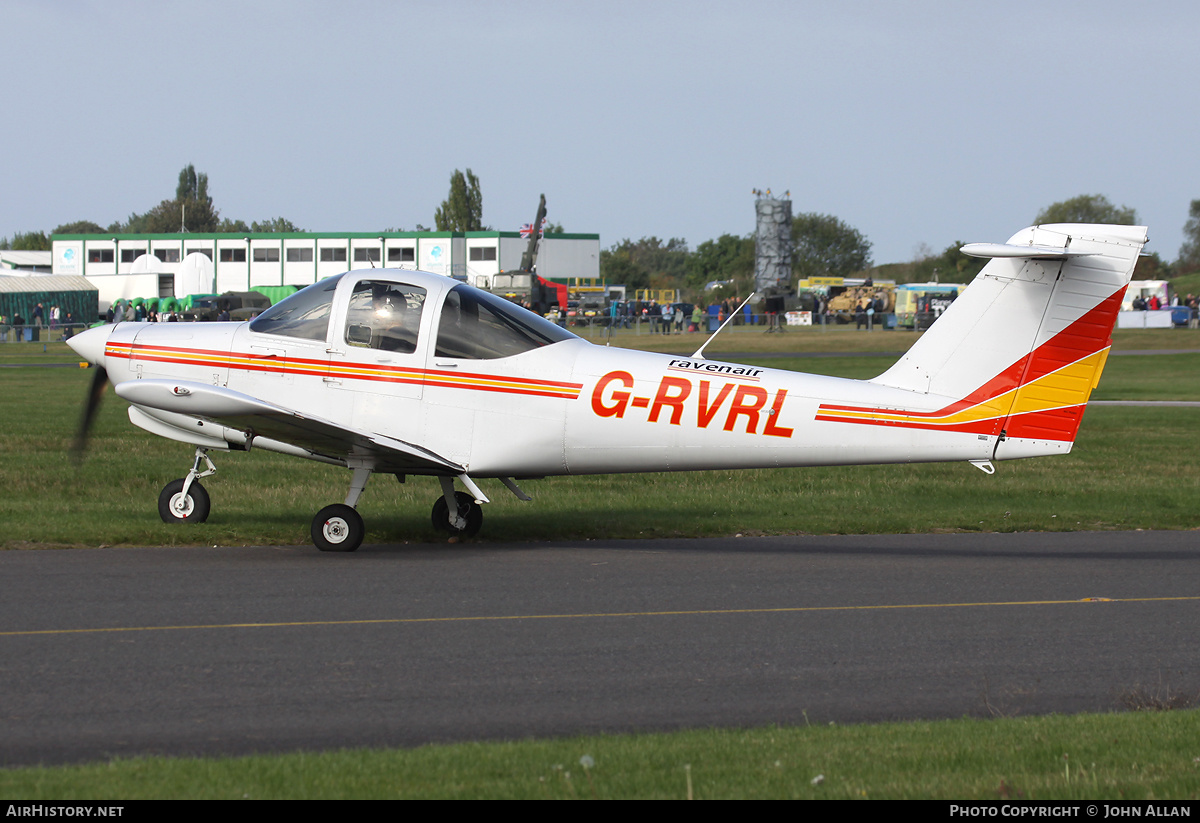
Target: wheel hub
335,530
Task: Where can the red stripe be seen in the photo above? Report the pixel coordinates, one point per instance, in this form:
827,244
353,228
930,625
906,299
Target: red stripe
323,368
1048,424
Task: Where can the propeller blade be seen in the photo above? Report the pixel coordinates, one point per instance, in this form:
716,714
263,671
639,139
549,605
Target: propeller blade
95,392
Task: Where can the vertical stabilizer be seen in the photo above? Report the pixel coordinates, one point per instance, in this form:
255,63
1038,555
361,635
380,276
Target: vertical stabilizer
1025,344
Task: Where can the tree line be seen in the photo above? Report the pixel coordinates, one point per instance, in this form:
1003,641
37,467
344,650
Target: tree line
822,244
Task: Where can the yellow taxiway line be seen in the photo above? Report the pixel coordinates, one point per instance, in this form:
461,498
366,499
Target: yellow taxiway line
678,613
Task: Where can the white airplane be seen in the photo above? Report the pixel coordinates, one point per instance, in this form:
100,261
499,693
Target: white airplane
403,372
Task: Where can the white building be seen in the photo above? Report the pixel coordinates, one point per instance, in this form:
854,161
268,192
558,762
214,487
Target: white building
241,262
24,262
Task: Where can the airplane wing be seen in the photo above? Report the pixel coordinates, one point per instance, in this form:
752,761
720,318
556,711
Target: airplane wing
265,420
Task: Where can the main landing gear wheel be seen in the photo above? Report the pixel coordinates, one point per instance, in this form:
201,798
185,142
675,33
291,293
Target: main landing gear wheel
175,507
338,528
467,508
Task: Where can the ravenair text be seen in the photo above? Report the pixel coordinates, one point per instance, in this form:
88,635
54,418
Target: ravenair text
745,372
685,401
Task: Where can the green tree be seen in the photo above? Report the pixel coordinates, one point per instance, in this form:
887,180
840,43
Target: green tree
29,241
618,268
1152,267
191,186
729,257
948,266
824,245
1087,208
169,215
646,263
228,225
275,224
79,227
463,209
1189,252
192,209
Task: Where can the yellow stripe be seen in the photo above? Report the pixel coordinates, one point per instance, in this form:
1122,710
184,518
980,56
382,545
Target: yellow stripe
1069,386
678,613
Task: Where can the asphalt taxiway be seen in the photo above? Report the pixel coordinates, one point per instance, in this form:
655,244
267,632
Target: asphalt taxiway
118,652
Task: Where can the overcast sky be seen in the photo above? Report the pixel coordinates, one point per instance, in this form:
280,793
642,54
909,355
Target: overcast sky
915,122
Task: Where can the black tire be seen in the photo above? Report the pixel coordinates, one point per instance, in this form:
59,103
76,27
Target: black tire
193,509
466,506
338,528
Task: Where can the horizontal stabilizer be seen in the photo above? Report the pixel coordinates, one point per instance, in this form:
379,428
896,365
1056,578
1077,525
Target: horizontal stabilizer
1028,252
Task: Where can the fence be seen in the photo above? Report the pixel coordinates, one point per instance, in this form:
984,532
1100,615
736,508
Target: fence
38,334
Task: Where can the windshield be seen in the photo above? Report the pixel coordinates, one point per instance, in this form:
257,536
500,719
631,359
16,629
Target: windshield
305,314
476,325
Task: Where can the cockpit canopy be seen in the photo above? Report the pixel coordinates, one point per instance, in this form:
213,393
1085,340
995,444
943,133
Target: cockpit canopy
385,311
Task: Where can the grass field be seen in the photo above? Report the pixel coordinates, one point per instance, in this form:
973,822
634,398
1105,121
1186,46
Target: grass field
1131,468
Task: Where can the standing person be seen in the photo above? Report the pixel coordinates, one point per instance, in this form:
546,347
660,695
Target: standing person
679,318
38,315
667,314
697,318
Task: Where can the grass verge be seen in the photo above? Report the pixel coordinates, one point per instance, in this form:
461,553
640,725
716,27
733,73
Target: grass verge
1133,756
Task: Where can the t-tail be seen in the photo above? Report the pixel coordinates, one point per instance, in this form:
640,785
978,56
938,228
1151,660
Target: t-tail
1024,346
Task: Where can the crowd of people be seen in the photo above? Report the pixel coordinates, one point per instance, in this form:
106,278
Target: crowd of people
39,318
676,318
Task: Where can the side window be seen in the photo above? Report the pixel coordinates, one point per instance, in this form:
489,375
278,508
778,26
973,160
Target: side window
304,314
475,325
385,316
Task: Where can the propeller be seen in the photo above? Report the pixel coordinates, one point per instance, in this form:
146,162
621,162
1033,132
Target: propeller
95,393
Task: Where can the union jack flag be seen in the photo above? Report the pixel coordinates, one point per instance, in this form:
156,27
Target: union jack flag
527,229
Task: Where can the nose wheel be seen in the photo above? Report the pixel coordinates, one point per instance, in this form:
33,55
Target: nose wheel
178,506
185,500
338,528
